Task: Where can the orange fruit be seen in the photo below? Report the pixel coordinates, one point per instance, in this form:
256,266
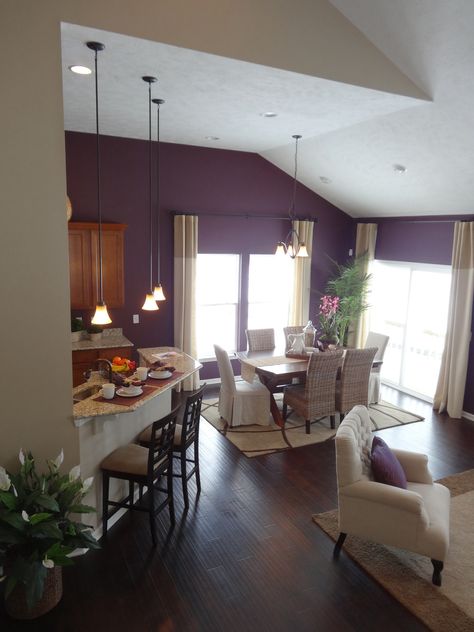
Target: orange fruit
117,360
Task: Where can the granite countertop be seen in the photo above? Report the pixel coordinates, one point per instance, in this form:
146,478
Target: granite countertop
112,337
89,408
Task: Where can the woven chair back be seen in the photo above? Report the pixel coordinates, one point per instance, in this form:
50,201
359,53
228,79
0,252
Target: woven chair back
260,339
354,384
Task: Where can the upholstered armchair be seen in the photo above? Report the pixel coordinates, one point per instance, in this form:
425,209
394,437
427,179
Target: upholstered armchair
416,518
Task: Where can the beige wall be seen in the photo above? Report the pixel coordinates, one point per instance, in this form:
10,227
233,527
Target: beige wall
309,36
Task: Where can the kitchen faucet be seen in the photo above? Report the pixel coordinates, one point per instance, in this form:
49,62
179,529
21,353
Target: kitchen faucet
97,363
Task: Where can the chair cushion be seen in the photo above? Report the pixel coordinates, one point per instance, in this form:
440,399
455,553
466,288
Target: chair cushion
145,435
386,467
129,459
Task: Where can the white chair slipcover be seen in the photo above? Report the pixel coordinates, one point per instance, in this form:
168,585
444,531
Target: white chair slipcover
416,518
241,403
380,341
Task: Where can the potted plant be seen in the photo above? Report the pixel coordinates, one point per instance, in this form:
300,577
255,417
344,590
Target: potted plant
38,533
328,320
95,332
77,328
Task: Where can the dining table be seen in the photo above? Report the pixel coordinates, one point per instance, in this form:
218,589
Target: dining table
275,369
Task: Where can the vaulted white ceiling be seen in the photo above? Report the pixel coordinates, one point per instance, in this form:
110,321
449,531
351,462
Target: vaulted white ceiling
414,107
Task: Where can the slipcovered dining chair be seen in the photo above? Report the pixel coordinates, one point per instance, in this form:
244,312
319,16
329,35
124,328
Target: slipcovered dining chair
415,518
380,341
353,387
260,339
316,399
241,403
292,329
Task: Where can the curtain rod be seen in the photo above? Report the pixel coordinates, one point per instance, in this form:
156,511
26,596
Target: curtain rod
248,216
400,220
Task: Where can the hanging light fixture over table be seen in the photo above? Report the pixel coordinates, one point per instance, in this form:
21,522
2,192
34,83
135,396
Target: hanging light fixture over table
158,293
150,304
293,246
101,316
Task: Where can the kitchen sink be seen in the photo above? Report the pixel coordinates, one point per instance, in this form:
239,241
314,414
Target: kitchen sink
85,393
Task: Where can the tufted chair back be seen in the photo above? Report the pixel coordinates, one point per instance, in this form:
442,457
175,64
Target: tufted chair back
353,447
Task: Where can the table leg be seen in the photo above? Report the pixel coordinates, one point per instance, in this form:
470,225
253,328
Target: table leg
275,411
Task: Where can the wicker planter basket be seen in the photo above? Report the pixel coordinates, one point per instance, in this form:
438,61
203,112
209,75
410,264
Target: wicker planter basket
16,607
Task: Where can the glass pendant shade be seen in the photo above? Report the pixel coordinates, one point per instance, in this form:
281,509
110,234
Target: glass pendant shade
280,249
302,252
150,304
101,316
158,293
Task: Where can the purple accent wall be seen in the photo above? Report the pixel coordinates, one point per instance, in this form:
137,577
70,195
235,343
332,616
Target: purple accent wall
422,240
193,179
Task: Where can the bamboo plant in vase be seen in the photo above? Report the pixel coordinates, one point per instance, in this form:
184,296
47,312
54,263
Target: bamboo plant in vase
38,534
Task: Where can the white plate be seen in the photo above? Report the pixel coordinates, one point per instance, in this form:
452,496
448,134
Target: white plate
160,375
127,392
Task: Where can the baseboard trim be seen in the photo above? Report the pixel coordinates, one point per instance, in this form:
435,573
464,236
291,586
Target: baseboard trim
466,415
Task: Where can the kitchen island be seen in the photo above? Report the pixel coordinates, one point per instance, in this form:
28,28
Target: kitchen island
105,426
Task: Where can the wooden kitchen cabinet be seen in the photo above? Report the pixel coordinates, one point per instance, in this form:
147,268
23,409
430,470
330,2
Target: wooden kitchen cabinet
84,264
84,359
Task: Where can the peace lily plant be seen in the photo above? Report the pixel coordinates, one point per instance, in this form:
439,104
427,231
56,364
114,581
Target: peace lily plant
37,531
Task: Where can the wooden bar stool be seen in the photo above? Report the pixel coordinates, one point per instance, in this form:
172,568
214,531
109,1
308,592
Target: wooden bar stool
145,466
186,435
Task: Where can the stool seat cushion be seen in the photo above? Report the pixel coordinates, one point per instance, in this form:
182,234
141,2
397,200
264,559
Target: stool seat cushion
145,435
129,459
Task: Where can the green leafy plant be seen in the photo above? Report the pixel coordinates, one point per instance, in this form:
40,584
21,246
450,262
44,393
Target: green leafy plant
77,324
351,285
37,531
94,329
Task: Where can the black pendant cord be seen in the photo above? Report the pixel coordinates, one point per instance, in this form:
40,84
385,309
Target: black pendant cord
158,249
150,187
99,206
293,198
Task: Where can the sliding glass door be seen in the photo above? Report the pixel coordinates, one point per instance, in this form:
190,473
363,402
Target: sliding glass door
409,303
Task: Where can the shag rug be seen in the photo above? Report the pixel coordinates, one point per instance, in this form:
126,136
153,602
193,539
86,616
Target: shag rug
257,440
407,576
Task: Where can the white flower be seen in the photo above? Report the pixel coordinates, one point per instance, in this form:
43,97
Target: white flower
15,493
2,578
25,516
86,484
5,481
47,563
21,456
59,460
75,473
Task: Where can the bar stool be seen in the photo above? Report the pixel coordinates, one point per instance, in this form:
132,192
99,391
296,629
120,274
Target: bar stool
186,435
145,466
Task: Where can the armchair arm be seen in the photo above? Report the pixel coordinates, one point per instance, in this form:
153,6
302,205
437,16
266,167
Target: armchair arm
394,497
415,466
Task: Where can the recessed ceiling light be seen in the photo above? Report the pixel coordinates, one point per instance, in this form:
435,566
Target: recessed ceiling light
399,168
325,180
212,137
268,114
80,70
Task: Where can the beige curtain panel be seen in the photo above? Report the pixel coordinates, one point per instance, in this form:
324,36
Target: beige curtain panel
365,245
452,376
185,258
299,306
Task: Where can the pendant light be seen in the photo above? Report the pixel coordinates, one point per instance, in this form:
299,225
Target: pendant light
101,316
158,293
150,304
292,246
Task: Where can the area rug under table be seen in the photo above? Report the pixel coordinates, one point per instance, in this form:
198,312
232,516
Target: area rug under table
407,576
254,440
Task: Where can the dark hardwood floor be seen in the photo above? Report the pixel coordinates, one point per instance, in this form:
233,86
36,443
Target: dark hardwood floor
247,555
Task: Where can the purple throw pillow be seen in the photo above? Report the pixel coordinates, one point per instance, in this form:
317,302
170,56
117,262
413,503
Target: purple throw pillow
386,467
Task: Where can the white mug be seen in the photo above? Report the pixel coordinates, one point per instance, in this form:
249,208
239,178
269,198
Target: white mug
142,372
108,391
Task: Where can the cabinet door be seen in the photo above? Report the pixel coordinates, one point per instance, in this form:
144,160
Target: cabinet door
112,266
80,269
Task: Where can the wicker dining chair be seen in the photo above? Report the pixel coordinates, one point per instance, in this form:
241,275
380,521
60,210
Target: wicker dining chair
353,387
316,399
260,339
293,329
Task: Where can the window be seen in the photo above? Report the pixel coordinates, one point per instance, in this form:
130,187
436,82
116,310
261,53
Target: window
410,304
270,292
217,308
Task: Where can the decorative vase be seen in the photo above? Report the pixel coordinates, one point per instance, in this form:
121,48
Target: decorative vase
328,340
15,604
76,336
309,332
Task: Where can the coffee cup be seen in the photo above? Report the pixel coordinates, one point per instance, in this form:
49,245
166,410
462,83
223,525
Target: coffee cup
142,372
108,391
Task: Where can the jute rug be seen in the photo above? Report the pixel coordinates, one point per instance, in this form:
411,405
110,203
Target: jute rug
257,440
407,576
